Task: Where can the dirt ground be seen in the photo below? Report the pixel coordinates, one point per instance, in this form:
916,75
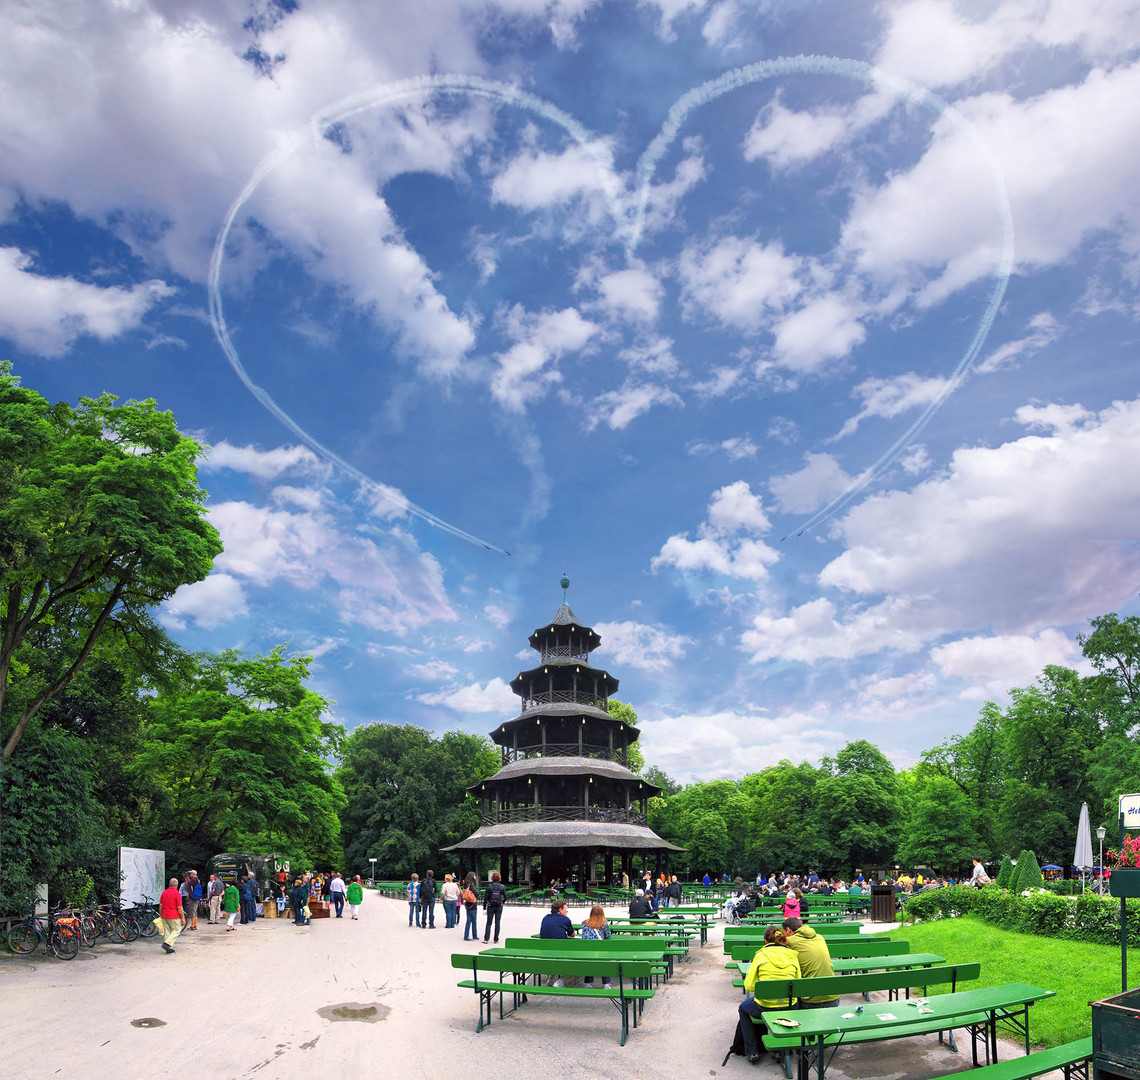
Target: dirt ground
371,998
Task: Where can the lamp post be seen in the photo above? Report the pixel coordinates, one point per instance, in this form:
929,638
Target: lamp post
1100,836
373,880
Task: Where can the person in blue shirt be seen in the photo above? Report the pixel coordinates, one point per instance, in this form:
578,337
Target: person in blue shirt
556,925
706,881
414,900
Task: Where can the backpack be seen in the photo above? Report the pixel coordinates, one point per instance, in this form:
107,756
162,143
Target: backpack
737,1046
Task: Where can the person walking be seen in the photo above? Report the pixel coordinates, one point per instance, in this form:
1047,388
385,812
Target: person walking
231,899
337,889
172,914
449,895
414,900
355,894
427,901
792,904
191,893
470,898
493,900
214,898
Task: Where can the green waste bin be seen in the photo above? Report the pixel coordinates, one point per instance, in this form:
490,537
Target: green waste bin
1116,1037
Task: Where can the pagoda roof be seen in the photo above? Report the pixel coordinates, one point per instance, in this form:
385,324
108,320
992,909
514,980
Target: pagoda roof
565,766
564,834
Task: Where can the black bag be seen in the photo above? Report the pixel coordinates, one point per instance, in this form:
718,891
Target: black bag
737,1046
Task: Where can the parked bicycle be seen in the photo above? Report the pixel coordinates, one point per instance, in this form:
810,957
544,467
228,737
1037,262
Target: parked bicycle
59,932
140,919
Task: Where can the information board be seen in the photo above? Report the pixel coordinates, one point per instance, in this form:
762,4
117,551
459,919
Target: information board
142,874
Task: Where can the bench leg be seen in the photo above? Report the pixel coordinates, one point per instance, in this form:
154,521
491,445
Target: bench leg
625,1020
484,1002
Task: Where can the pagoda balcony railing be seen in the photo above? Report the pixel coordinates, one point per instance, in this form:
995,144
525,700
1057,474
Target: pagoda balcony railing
553,749
566,652
563,697
614,815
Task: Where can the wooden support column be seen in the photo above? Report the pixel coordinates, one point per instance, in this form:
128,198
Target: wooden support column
542,729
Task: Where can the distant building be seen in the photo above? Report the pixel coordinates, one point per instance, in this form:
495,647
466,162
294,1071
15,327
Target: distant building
565,793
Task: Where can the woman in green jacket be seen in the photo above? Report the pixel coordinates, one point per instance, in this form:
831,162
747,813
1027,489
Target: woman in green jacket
774,961
355,896
231,901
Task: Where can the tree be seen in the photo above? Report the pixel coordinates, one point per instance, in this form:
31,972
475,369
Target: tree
939,830
1005,872
619,710
859,805
660,778
407,794
240,753
787,833
101,518
1113,648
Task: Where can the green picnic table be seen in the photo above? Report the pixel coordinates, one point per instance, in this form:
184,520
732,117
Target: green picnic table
852,964
813,1030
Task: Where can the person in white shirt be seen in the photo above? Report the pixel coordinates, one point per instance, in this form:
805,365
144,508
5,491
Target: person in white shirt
337,889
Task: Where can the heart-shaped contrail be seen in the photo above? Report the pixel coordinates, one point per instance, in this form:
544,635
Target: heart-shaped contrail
628,211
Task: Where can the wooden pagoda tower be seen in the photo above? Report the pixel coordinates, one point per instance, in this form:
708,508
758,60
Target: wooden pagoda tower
565,796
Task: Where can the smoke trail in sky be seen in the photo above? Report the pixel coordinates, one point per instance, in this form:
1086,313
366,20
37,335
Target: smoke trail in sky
629,219
750,74
315,130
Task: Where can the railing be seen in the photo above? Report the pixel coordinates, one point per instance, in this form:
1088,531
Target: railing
525,753
608,814
563,697
565,652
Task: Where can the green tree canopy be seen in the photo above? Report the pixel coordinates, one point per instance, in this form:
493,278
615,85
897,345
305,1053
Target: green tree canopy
407,794
239,753
101,518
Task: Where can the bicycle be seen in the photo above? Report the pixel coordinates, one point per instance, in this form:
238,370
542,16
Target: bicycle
140,918
60,934
105,923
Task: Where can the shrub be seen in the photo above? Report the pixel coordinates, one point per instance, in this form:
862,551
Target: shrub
1074,918
1029,874
1011,884
1005,873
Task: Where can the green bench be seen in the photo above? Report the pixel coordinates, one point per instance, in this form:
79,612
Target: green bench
866,981
849,966
1072,1058
631,982
855,946
656,952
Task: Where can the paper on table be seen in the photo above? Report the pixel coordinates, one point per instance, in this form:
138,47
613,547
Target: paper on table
887,1016
848,1016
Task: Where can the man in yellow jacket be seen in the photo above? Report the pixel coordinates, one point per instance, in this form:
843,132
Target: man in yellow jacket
774,961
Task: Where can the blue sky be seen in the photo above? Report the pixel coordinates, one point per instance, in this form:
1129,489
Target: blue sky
476,282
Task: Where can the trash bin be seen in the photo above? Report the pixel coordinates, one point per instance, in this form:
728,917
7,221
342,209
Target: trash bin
882,903
1116,1037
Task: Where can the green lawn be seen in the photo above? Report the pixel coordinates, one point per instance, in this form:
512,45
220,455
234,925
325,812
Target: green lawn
1079,972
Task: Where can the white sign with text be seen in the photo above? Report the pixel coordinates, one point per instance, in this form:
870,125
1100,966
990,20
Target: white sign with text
1130,808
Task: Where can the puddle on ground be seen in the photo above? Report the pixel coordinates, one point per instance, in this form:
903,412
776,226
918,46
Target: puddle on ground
148,1021
352,1010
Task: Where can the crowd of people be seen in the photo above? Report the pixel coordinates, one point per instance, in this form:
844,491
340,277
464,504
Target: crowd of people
453,896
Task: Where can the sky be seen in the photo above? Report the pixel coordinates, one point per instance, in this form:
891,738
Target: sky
800,335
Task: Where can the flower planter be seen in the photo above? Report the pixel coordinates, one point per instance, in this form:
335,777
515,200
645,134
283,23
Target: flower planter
1125,882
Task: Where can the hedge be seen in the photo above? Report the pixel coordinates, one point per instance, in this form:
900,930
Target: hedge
1073,918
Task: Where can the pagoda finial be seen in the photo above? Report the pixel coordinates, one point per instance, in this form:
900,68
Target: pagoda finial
565,583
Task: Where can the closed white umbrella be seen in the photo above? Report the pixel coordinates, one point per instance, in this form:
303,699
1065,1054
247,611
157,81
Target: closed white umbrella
1083,856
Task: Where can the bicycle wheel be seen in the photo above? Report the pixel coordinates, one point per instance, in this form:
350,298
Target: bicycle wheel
64,942
117,930
87,932
147,929
132,927
22,938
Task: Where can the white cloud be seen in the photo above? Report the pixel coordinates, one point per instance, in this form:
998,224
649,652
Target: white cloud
939,216
939,43
633,293
264,464
784,430
210,602
1035,532
993,665
805,491
384,583
892,397
432,671
654,356
537,179
493,696
498,616
45,315
824,328
741,283
731,742
642,646
619,408
718,548
736,448
540,340
1043,330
